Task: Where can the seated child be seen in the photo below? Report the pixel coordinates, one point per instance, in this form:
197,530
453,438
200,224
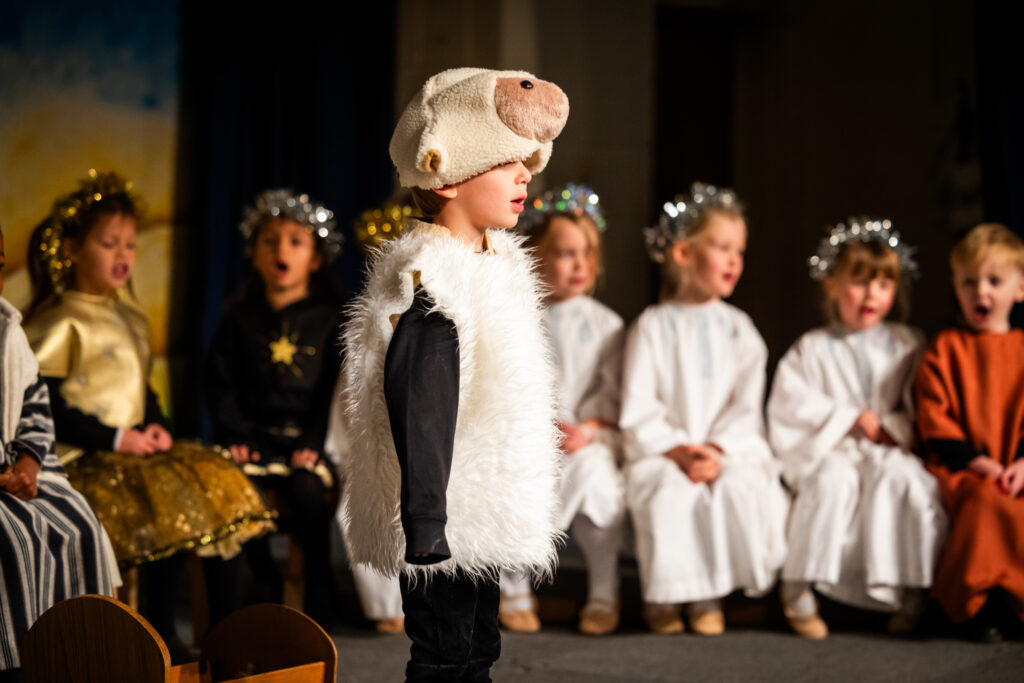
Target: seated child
701,483
156,498
52,547
562,226
970,413
866,525
271,372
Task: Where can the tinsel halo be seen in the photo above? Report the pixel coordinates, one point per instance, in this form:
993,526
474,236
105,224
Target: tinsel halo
285,204
864,229
574,198
67,212
384,222
678,215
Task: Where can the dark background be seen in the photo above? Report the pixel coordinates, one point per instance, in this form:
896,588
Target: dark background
811,111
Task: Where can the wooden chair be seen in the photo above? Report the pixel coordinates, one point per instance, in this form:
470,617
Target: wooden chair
96,639
265,639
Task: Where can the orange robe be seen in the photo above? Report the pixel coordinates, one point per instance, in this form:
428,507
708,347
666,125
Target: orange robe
970,401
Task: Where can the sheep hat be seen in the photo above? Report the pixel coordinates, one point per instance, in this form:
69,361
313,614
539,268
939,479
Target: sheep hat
466,121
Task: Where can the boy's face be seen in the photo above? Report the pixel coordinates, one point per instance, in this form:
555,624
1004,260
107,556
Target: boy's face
285,255
493,199
987,291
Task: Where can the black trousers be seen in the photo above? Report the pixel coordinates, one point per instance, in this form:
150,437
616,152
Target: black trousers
453,625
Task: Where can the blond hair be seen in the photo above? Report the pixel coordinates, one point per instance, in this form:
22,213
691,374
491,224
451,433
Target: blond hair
539,239
984,241
672,274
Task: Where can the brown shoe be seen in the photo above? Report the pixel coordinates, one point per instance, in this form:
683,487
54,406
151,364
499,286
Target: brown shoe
665,622
391,626
809,626
903,623
598,618
519,621
710,623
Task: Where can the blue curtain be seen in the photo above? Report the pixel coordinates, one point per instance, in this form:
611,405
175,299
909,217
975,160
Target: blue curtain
1000,54
289,94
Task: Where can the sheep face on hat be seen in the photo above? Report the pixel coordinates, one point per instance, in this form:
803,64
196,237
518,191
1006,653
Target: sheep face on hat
466,121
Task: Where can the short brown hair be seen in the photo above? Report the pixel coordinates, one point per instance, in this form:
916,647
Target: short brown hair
984,240
428,202
868,259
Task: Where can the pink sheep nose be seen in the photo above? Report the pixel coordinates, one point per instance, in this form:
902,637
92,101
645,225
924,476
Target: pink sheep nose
531,108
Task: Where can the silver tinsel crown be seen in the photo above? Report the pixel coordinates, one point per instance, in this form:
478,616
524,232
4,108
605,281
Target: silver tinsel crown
677,216
574,198
285,204
866,230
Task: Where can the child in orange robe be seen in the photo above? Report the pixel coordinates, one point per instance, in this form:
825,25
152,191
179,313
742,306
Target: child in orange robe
970,396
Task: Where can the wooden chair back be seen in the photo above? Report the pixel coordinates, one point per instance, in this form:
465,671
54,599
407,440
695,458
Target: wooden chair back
266,642
93,639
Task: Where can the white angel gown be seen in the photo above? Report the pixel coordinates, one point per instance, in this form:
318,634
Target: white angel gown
379,595
586,337
694,374
867,521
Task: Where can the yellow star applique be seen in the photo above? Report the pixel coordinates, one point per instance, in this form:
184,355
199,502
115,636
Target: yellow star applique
283,350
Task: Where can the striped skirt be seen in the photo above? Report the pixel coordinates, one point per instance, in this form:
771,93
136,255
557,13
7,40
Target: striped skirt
51,548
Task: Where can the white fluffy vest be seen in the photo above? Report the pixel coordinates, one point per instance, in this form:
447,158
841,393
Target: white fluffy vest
502,490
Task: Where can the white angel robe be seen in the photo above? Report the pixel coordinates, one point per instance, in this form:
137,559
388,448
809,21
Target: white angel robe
694,374
586,337
379,595
867,520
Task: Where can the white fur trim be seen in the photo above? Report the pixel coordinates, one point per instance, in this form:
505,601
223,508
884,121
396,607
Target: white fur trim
502,493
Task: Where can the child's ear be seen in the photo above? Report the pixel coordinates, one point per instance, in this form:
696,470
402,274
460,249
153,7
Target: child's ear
316,262
680,253
69,246
448,192
1020,291
829,285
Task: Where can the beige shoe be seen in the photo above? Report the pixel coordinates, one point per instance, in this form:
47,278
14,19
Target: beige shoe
665,622
519,621
809,626
391,626
599,618
710,623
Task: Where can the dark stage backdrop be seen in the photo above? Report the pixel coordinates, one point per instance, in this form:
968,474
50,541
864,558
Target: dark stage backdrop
1001,113
296,94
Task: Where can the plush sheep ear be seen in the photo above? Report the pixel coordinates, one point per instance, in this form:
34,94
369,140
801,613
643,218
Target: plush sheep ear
430,161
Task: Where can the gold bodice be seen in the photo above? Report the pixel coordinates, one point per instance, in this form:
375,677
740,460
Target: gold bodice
99,345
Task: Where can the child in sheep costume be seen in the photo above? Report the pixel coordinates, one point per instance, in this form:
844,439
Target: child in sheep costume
450,394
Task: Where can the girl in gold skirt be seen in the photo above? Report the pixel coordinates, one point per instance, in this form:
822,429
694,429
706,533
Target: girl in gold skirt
156,497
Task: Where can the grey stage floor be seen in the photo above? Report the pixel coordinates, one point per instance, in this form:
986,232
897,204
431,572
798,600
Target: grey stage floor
757,646
558,654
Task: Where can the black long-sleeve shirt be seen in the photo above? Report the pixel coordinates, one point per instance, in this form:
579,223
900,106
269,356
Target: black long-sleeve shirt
421,388
271,375
72,426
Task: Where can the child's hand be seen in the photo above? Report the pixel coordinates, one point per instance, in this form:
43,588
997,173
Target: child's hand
137,442
20,479
867,426
699,463
1011,481
242,454
159,436
305,458
573,437
986,467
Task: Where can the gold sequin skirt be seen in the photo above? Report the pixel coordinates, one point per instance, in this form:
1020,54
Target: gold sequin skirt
189,498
